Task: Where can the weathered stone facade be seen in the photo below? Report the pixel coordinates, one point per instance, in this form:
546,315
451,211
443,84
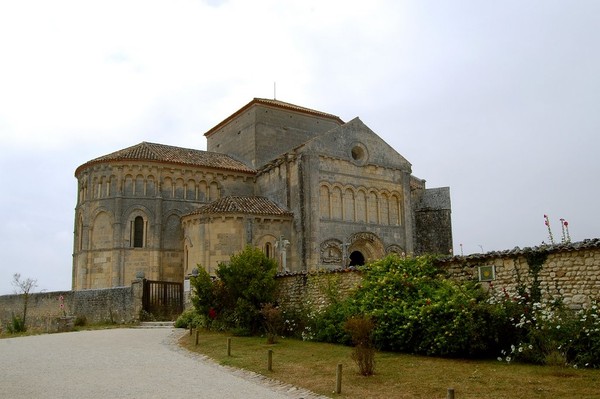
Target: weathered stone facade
302,185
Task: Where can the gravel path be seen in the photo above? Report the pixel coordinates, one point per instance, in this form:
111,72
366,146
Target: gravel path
123,363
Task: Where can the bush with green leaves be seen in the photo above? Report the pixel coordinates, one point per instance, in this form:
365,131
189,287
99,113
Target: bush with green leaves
190,318
243,286
583,349
416,309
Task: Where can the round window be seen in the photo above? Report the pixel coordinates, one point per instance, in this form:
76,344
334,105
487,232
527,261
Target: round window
359,154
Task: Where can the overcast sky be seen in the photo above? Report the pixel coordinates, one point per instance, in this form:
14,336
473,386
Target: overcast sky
497,99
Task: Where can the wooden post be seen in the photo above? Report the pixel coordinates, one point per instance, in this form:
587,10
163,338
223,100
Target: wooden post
228,346
197,336
338,379
270,360
450,394
191,328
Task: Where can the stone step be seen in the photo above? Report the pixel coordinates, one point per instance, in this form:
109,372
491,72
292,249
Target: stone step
157,324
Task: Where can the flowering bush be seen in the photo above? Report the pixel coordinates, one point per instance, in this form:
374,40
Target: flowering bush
538,331
416,309
583,349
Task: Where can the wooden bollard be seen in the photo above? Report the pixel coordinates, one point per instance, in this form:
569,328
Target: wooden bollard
228,346
197,336
338,379
191,328
450,394
270,360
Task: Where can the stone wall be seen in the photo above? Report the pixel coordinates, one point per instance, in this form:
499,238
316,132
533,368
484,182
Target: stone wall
111,305
316,289
571,271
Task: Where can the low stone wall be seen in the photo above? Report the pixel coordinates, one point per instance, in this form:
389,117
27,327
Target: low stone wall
316,289
571,271
44,312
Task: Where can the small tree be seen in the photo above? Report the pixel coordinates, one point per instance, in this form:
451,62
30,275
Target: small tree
273,322
248,283
361,330
243,286
22,287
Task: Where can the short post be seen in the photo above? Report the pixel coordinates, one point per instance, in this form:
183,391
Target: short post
191,328
270,360
228,346
197,336
338,379
450,394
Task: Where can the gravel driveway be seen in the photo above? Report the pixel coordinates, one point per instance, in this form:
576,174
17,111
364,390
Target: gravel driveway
123,363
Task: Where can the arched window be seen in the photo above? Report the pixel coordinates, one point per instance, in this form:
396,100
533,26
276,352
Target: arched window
138,232
268,250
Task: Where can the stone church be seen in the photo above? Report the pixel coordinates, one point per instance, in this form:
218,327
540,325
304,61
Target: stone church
310,190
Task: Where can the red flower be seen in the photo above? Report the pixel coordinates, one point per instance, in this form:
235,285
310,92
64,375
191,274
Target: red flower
212,313
566,223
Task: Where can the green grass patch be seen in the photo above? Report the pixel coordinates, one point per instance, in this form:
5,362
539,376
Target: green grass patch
312,365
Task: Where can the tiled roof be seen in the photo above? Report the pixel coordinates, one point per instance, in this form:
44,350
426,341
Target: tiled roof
515,252
243,204
153,152
277,104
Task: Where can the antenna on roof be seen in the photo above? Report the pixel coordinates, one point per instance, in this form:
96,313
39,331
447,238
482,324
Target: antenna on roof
274,90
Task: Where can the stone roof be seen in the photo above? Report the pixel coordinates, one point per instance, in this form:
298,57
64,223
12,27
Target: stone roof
152,152
516,252
276,104
243,204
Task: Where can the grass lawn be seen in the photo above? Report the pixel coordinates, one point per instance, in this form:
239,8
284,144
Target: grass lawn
313,366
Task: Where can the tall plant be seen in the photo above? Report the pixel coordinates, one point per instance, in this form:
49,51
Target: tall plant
243,286
25,288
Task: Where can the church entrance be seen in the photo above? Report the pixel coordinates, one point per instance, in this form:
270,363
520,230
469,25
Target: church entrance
357,259
365,247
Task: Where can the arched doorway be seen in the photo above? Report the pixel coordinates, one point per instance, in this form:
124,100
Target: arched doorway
365,247
357,259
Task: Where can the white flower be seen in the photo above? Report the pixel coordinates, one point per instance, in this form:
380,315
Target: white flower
499,359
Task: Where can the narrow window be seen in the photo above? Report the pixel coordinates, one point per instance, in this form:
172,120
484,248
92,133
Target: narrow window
268,250
138,232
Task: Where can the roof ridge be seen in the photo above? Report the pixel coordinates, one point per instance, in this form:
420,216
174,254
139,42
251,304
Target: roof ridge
273,103
156,152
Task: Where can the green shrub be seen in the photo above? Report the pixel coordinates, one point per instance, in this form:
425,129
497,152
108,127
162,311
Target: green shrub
583,350
417,310
190,318
16,325
328,324
244,285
